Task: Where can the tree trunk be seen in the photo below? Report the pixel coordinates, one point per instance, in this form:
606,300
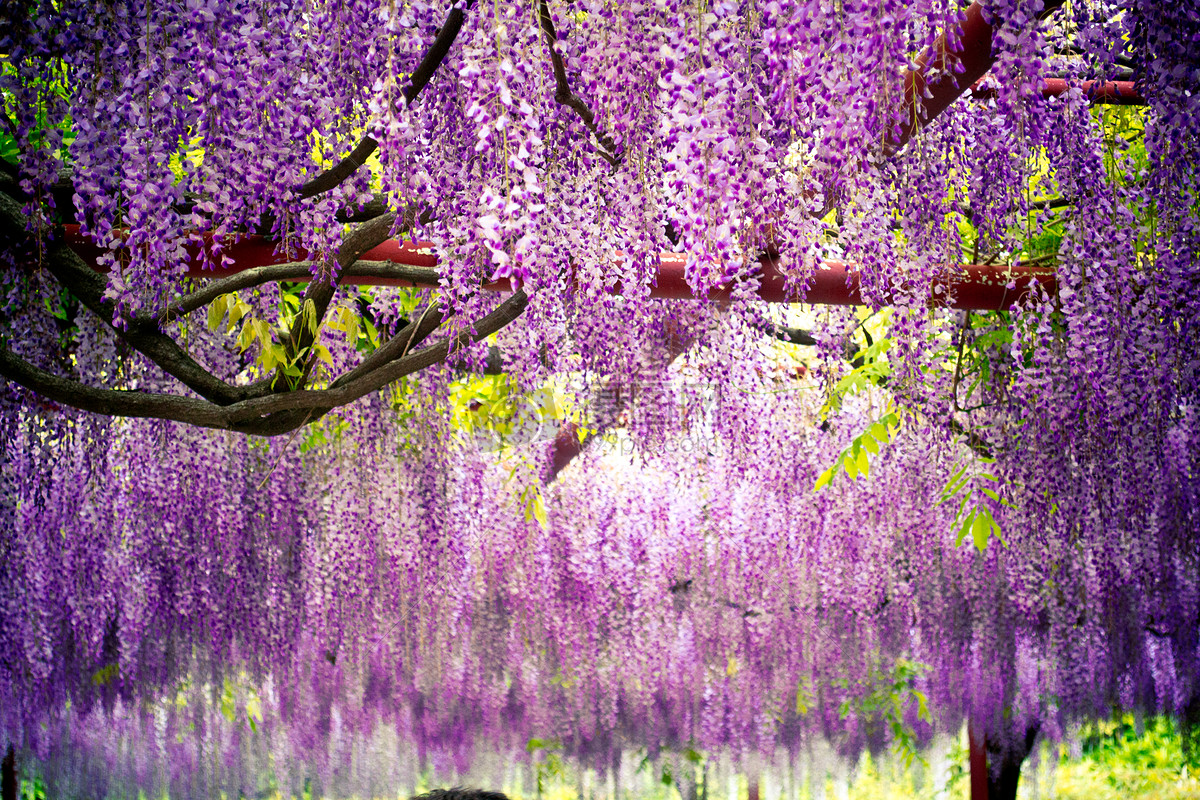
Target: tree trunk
1189,732
995,772
8,775
1003,784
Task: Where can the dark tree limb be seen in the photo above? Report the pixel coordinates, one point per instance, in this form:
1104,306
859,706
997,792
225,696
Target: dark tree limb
433,58
399,274
321,290
784,334
563,94
245,415
1002,779
267,416
399,345
140,334
8,775
977,444
111,402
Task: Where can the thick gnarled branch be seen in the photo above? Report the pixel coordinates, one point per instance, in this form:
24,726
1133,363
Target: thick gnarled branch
267,416
142,335
377,271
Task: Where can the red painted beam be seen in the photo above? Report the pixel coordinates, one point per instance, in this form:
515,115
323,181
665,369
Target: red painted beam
1103,93
972,286
1110,93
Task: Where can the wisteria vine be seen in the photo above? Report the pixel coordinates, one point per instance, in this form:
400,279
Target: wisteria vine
743,552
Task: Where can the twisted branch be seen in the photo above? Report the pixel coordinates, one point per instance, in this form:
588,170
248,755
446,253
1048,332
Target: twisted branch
140,334
396,274
267,416
563,94
433,58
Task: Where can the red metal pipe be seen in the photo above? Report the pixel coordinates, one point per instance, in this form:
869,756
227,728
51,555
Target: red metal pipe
978,287
1111,93
1103,93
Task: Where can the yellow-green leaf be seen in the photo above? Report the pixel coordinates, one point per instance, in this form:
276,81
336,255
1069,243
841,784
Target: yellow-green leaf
963,528
246,337
262,330
539,511
237,310
216,312
863,464
980,529
310,316
824,478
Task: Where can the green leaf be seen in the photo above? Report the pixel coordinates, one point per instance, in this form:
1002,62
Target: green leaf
237,310
981,528
262,331
962,531
216,312
862,463
539,511
824,478
310,316
869,442
995,497
953,485
246,337
922,706
879,431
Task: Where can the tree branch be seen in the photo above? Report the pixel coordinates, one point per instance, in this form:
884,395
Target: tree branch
790,335
110,402
321,288
243,415
141,334
398,274
979,445
410,335
433,58
563,94
267,416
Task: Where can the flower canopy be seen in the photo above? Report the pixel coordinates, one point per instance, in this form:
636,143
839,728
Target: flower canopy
586,515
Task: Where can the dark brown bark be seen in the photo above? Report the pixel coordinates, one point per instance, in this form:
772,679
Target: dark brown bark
433,58
8,775
1189,732
1004,773
562,88
140,334
384,271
